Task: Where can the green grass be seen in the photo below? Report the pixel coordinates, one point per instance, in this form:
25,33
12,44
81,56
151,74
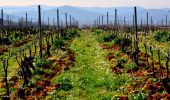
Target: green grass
91,77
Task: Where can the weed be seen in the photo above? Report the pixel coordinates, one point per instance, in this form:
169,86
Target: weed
131,66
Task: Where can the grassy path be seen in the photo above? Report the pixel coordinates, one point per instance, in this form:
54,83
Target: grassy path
91,77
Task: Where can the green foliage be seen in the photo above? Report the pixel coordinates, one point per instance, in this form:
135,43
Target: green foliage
139,96
71,33
120,81
109,37
5,39
124,42
58,42
131,66
91,77
106,38
121,62
43,62
38,71
162,36
96,31
48,71
15,36
65,83
35,79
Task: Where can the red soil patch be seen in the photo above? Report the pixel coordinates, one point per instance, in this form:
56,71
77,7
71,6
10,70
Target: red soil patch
2,50
116,70
114,47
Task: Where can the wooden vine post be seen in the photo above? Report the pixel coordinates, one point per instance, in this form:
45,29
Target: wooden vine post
66,20
151,24
102,19
141,24
48,45
95,24
107,18
166,18
53,22
35,48
133,24
40,30
115,23
152,57
167,65
99,21
136,37
5,66
2,18
146,52
147,25
48,22
124,21
26,19
162,22
58,23
160,67
2,25
70,21
77,24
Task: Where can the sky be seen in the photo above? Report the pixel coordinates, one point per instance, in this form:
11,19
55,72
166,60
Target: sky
90,3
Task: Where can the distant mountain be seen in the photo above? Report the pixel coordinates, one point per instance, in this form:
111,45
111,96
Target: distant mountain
85,15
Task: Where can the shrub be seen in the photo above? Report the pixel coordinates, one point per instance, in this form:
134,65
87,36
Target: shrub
38,71
6,40
139,96
106,38
162,36
109,38
121,62
70,33
65,83
131,66
96,31
43,63
15,36
58,42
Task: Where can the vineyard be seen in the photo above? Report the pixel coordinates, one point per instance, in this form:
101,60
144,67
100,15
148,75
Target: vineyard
104,61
